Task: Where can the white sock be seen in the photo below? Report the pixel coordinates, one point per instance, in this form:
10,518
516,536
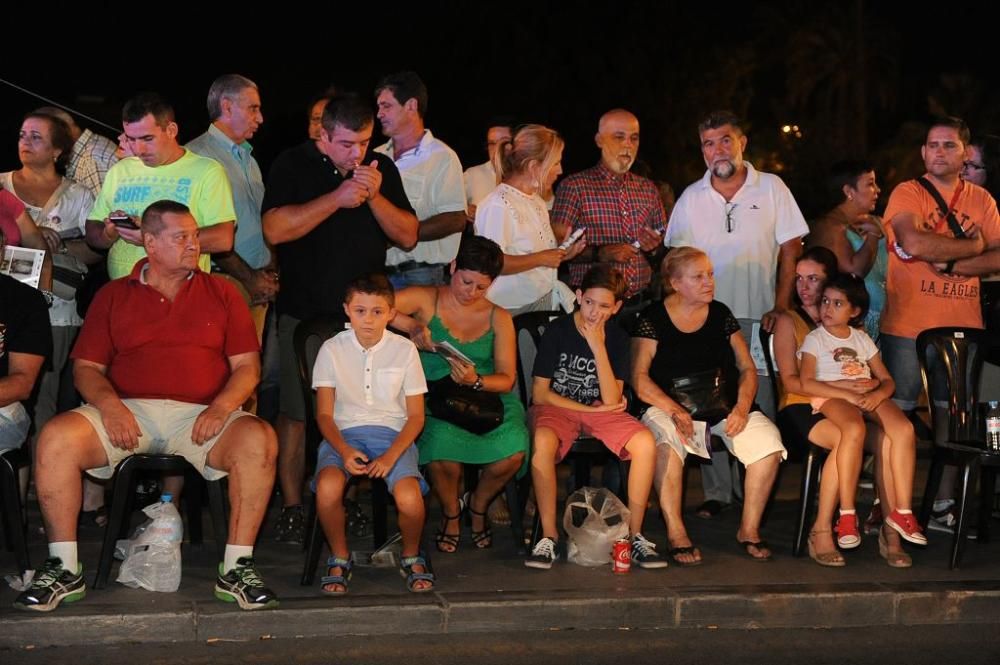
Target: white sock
903,512
849,511
943,504
233,553
66,551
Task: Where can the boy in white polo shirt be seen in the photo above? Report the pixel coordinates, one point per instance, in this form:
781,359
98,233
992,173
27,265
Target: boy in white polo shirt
370,408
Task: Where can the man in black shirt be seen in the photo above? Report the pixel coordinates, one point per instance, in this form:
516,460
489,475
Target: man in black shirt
25,343
331,209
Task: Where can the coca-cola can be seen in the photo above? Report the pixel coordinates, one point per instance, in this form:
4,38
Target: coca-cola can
621,557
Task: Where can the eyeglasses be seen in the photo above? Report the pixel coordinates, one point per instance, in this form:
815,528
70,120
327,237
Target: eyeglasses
973,165
730,207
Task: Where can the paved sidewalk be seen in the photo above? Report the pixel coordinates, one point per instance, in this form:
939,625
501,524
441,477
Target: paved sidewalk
491,590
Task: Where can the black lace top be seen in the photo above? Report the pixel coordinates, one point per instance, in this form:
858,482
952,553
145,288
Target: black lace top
681,354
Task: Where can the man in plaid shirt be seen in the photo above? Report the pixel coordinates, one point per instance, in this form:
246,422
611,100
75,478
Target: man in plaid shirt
621,211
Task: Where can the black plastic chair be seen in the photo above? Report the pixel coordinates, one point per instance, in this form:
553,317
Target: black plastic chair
961,353
586,451
15,520
123,484
307,340
815,455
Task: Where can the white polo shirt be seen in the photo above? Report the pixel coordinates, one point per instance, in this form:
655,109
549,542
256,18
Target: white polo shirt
764,215
432,180
480,180
372,384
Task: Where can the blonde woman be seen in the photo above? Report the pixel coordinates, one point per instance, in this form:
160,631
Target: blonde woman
687,335
515,216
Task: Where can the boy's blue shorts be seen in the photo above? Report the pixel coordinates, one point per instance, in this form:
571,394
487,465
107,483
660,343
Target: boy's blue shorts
373,441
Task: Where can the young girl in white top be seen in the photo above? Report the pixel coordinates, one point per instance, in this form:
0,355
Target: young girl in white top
843,370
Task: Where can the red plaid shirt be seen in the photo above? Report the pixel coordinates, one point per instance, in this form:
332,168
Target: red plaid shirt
613,208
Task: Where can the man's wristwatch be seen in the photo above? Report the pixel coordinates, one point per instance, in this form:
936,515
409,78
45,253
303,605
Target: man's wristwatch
478,385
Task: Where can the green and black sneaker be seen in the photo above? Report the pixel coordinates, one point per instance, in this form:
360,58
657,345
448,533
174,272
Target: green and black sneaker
52,585
244,586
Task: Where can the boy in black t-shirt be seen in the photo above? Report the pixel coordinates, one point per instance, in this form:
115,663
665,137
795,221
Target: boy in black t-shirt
579,374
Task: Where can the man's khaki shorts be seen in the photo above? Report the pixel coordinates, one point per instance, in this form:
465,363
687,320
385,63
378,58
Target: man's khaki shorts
166,427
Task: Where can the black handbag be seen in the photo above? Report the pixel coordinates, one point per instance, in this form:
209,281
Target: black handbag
476,411
705,395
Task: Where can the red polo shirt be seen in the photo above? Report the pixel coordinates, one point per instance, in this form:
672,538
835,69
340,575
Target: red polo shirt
158,349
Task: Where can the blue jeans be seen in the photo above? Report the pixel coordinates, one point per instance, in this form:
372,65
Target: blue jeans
900,357
424,275
373,441
14,424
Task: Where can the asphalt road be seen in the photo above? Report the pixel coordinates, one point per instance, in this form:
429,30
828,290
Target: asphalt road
933,645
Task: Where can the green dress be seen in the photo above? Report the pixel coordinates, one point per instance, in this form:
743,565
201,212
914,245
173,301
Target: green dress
441,440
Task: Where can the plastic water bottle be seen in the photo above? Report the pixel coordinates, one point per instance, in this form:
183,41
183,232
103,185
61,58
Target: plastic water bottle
993,427
164,537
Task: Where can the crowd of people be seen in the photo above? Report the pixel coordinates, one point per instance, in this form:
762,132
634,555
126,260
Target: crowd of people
211,267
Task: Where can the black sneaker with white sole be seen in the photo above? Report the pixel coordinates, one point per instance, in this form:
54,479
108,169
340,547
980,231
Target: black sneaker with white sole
52,585
543,554
644,553
243,585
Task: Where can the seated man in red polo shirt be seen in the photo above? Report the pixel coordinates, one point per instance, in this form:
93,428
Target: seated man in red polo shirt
165,359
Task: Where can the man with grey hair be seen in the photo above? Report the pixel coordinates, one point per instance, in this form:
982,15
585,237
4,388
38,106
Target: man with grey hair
748,223
93,155
235,114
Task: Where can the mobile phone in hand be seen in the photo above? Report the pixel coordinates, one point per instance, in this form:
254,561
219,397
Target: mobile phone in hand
573,237
123,221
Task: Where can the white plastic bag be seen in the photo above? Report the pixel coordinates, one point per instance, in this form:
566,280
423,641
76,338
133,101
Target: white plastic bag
153,554
594,519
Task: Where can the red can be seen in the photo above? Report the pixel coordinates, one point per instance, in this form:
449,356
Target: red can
621,557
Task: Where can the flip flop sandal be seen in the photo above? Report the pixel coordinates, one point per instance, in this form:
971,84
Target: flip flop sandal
760,544
345,565
674,552
406,565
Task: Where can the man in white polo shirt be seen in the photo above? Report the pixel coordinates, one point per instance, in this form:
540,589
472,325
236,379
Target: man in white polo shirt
432,179
748,223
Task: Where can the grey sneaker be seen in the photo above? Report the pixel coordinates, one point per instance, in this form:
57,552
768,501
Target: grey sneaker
543,554
291,525
243,585
644,553
944,521
52,585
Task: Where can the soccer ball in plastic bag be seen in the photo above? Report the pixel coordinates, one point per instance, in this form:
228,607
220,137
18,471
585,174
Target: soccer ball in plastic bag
594,519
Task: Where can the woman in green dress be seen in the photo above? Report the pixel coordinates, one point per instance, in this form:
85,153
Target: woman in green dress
459,313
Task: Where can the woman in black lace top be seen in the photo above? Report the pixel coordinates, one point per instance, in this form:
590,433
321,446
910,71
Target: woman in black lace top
690,346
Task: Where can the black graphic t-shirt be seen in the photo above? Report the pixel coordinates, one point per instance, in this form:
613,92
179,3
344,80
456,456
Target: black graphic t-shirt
24,322
565,357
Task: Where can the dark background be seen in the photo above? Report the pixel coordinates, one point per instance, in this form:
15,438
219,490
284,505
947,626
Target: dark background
858,78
